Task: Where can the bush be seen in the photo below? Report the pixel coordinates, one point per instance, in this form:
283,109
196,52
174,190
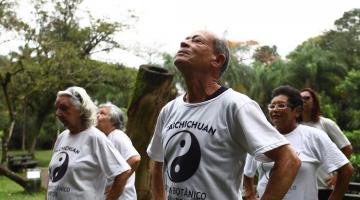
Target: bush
354,137
355,161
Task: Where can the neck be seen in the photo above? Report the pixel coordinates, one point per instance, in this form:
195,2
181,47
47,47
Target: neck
306,116
76,130
286,130
200,90
108,130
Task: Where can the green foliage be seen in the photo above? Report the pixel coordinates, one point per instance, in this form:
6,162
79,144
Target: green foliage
355,161
354,138
57,54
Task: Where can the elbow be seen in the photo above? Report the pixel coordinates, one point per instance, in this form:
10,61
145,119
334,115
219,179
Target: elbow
346,171
296,163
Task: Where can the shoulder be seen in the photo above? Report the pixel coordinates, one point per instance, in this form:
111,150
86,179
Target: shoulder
118,135
171,104
326,121
313,134
95,134
236,100
63,134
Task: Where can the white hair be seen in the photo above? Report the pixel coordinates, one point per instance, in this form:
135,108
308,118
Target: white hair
82,101
116,115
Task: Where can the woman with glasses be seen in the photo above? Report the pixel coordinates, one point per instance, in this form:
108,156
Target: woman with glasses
311,116
312,145
83,157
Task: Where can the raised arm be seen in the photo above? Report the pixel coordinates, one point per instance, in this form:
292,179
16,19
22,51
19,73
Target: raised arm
343,178
286,165
157,184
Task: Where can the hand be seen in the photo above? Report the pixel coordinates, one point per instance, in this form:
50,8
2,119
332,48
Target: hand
251,198
331,180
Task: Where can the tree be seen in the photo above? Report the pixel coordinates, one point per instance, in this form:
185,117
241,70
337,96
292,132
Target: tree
56,54
153,89
266,54
350,90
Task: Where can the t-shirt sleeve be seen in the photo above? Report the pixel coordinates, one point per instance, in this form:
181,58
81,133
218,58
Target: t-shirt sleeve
155,150
125,146
331,158
258,135
335,133
110,160
250,166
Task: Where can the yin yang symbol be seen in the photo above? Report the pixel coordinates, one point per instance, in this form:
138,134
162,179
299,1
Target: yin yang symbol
58,170
182,156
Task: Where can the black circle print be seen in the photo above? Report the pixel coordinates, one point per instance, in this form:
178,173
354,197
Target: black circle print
182,156
61,162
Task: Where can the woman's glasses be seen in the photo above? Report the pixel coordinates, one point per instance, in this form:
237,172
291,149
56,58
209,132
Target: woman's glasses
280,106
306,98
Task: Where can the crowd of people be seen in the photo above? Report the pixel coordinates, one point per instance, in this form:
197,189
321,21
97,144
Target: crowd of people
224,140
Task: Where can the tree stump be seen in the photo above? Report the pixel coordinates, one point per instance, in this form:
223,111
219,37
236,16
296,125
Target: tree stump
153,89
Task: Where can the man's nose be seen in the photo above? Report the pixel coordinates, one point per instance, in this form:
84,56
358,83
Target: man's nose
57,112
184,44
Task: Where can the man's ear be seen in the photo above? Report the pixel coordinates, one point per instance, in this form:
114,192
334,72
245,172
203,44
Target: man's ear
218,60
298,110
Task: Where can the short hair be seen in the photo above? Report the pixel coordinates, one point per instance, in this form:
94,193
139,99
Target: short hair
293,94
315,111
82,101
116,115
221,47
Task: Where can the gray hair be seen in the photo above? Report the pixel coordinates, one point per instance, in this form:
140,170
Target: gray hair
115,114
82,101
221,47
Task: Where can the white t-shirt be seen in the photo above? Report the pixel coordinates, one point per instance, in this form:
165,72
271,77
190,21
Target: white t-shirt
336,135
314,148
125,147
203,145
80,164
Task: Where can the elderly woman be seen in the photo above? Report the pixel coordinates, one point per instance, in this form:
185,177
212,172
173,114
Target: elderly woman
311,116
83,157
312,145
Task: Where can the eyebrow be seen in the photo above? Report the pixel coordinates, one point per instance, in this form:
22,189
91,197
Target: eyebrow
193,37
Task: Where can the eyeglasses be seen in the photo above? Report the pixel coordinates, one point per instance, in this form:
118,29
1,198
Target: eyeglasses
306,98
280,106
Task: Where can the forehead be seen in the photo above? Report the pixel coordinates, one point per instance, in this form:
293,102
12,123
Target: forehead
64,100
202,34
280,98
305,93
104,110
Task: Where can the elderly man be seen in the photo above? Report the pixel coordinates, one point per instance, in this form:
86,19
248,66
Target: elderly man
201,138
110,120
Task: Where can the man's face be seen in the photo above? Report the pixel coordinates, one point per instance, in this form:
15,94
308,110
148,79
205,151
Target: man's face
196,52
66,112
103,118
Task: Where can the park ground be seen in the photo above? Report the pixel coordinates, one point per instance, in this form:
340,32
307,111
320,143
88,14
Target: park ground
9,190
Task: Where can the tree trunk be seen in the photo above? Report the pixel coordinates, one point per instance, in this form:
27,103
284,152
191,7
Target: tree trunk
153,89
5,141
24,128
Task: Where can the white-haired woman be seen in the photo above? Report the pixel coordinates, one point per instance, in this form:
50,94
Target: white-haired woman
83,157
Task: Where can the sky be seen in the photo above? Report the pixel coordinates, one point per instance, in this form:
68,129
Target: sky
162,24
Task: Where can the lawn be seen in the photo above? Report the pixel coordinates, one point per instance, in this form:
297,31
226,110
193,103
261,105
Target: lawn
9,190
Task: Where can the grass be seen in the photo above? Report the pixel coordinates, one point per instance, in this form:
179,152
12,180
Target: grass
9,190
